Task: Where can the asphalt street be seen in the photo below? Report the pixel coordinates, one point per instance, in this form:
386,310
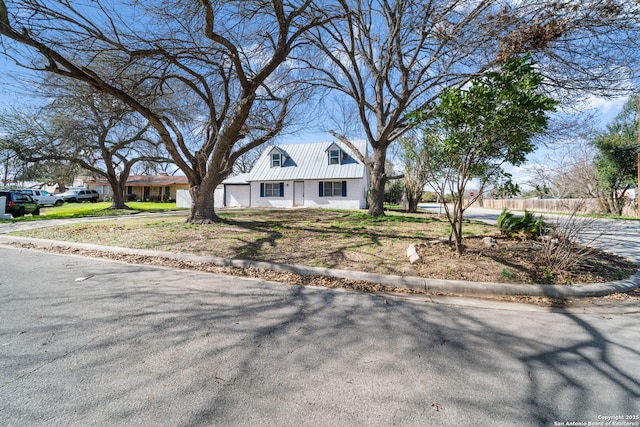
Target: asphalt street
94,342
617,236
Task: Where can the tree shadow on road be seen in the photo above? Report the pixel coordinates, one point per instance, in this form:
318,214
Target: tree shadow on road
188,348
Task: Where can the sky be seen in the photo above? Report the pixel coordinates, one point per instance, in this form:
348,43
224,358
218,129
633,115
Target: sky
14,93
605,111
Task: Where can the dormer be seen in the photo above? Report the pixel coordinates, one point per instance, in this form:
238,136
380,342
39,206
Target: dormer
277,157
335,154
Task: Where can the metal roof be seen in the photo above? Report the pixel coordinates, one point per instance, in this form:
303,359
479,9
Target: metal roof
309,161
237,179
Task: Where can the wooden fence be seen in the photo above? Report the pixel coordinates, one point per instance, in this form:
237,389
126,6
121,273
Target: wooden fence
551,205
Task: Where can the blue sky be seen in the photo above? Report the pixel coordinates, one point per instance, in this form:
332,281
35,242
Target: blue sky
13,92
605,111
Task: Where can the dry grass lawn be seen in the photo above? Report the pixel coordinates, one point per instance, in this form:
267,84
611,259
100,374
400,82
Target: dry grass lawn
344,240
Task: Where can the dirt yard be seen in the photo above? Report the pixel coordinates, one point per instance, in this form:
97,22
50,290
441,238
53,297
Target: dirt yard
347,240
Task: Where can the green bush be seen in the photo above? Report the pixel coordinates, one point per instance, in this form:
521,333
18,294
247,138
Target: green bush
524,227
429,197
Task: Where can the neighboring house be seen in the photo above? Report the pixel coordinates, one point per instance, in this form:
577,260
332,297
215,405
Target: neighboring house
314,175
161,187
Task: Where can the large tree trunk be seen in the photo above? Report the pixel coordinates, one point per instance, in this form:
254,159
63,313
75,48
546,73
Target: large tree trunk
614,204
412,203
413,193
619,204
117,188
375,197
202,209
118,201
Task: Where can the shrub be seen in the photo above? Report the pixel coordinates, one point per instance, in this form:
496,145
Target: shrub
524,227
568,242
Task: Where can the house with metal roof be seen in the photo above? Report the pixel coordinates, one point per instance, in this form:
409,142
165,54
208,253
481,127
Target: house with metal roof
314,175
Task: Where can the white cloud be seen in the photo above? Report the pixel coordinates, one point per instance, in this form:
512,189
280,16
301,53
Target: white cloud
606,106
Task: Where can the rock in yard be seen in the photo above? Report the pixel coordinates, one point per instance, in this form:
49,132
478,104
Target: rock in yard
490,242
412,253
411,250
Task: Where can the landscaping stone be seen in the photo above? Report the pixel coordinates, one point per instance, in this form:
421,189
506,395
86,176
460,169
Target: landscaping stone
411,250
412,253
490,242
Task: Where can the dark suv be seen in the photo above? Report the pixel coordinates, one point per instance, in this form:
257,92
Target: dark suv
18,204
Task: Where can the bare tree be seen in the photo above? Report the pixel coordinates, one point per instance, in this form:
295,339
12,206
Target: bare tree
210,77
411,151
245,163
598,164
10,163
567,171
99,135
392,57
54,173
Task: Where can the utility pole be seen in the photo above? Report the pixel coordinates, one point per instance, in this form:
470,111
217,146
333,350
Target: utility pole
638,184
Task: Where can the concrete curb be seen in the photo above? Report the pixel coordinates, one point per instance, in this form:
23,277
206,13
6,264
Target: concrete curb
456,287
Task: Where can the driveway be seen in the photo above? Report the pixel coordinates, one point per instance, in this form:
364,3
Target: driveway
95,342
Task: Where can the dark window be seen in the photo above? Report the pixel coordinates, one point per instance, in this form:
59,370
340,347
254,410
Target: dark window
272,189
276,160
333,189
334,157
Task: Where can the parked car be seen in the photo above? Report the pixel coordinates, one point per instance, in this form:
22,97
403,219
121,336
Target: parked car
72,196
18,204
43,197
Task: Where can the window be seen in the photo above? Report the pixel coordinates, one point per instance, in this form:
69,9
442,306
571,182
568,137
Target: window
333,189
334,157
272,189
276,160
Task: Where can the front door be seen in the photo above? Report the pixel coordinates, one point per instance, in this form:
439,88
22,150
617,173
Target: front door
298,193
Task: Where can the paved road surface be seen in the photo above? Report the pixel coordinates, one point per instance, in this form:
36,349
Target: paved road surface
619,237
93,342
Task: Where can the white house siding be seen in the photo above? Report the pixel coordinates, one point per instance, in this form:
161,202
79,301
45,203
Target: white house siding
218,197
355,199
272,202
238,196
183,199
309,164
301,164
